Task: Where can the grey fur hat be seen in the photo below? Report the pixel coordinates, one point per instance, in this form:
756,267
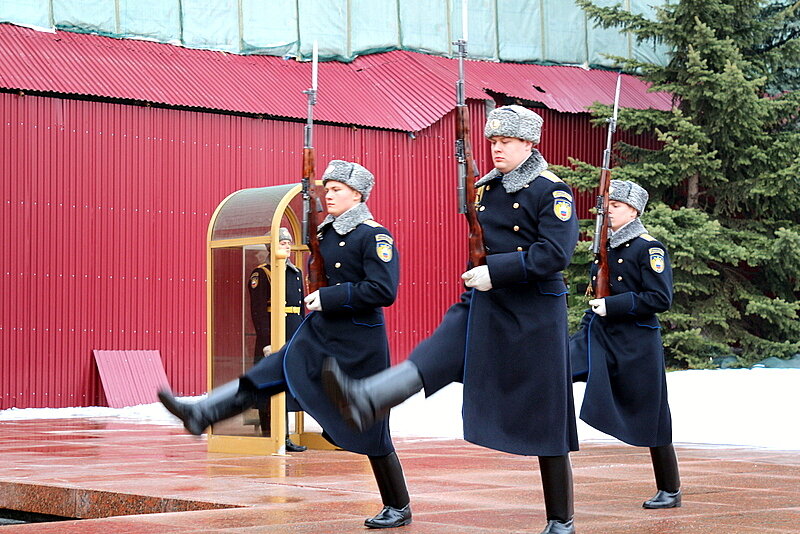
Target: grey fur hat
514,121
284,235
350,174
629,193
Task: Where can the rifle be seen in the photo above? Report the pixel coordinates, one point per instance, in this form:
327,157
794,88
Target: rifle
316,269
602,287
467,170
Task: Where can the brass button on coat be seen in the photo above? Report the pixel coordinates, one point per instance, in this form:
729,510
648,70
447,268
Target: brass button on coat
519,249
516,228
620,260
337,264
482,208
515,205
342,243
619,279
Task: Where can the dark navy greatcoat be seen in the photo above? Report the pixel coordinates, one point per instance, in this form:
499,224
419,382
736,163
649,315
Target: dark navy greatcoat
508,345
259,288
362,269
621,356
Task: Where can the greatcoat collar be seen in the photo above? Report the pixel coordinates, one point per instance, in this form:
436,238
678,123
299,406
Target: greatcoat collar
347,221
525,173
633,229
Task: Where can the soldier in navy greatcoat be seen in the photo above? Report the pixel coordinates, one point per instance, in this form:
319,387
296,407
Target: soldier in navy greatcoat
346,323
259,285
507,339
618,350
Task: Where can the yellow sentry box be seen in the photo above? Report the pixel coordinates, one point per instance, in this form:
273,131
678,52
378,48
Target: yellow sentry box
239,229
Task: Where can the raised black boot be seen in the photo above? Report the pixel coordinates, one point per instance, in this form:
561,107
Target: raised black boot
559,502
668,480
222,402
394,493
362,402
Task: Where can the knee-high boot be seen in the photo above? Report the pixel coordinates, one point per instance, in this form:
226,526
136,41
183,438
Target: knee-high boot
362,402
559,502
394,493
668,480
222,402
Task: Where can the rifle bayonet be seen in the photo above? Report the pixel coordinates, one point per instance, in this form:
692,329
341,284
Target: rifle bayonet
600,242
316,270
467,170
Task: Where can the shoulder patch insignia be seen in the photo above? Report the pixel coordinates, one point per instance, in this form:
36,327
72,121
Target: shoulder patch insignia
647,237
550,176
374,224
562,207
384,237
657,262
562,194
254,280
384,251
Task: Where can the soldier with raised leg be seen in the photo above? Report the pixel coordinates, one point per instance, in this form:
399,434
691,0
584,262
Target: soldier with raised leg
506,340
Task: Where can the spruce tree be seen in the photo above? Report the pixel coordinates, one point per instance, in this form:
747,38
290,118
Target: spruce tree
725,186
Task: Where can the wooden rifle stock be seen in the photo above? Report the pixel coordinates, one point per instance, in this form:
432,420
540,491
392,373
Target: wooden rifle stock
316,268
602,286
477,251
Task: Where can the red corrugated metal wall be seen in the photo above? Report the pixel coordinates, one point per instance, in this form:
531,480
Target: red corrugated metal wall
105,209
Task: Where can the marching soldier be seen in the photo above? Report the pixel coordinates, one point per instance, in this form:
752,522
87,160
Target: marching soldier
507,338
347,323
259,286
618,350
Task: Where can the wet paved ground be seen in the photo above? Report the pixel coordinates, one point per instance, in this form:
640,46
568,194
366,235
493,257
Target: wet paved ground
99,467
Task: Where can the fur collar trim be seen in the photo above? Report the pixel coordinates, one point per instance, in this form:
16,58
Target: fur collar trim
633,229
347,221
525,173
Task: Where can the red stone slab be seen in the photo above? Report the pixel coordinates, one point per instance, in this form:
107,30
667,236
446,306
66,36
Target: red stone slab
455,487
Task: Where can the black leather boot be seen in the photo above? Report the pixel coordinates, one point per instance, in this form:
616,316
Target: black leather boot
559,502
362,402
394,493
222,402
668,480
291,446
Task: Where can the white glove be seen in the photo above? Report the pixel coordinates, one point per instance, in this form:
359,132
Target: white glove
313,302
598,306
478,277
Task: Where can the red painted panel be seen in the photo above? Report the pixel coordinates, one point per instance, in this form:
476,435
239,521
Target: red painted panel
104,217
130,377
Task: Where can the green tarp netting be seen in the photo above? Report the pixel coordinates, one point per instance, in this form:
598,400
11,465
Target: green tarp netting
541,31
